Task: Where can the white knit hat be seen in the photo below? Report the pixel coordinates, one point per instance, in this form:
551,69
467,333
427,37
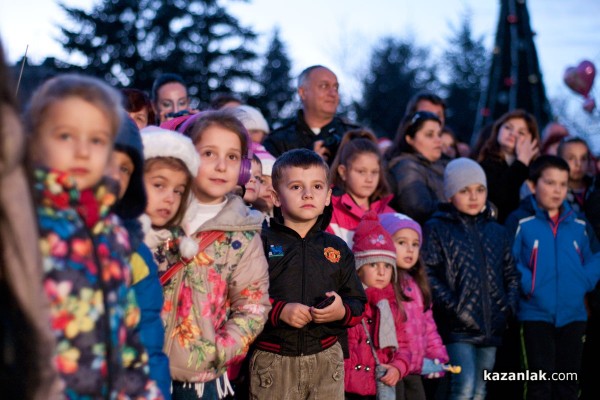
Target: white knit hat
159,142
251,118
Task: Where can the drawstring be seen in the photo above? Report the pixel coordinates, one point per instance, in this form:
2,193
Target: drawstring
227,389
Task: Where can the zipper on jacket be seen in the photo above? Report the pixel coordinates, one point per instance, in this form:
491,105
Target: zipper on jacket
533,265
301,331
484,286
107,331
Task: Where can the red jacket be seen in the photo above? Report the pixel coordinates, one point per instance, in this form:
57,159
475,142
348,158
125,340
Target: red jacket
347,215
419,329
360,367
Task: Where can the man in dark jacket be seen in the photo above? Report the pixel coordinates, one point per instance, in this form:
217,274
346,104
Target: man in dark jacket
316,126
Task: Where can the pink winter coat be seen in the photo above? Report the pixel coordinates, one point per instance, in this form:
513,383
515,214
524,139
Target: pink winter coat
360,367
347,214
419,329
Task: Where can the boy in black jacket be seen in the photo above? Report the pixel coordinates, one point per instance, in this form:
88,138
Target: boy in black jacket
298,355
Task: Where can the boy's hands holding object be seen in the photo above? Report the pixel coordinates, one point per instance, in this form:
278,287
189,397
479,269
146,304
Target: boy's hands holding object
392,376
333,312
296,315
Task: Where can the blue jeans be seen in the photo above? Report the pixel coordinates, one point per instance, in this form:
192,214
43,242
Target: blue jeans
469,384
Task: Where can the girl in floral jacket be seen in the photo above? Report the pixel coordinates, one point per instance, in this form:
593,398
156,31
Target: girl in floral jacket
217,303
73,121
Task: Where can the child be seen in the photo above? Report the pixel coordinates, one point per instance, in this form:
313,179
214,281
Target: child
217,303
375,256
73,121
419,329
255,182
128,170
553,254
472,274
356,173
576,152
298,355
264,202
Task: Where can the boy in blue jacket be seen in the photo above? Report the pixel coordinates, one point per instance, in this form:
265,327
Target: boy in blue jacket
553,254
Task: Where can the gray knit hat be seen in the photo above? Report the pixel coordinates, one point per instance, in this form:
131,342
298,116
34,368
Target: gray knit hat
462,172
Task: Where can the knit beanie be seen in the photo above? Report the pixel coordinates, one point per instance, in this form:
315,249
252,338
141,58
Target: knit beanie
372,243
393,222
129,141
251,118
159,142
266,159
460,173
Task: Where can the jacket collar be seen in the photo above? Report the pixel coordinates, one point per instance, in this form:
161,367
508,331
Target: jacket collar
322,223
565,212
345,202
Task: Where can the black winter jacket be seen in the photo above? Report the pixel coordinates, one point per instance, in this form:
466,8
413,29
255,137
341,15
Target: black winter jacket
472,273
296,134
302,270
504,184
418,185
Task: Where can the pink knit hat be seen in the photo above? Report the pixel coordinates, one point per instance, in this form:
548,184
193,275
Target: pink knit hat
372,243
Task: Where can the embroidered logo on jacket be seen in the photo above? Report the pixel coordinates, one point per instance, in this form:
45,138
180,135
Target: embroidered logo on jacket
332,254
275,251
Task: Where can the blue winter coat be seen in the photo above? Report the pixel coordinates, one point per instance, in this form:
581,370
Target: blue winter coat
556,264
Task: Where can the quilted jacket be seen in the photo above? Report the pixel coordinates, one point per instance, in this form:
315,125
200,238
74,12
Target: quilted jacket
93,313
474,281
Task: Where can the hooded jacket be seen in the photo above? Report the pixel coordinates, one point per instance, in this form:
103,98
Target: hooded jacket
474,281
556,264
217,304
302,270
93,313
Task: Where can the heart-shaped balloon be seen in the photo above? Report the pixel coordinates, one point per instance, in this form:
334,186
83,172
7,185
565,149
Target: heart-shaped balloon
581,78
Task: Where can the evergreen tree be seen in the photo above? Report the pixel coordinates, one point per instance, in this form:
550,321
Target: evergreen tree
131,42
397,71
465,63
276,90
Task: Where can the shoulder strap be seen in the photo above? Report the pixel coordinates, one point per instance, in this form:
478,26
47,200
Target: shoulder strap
370,341
205,239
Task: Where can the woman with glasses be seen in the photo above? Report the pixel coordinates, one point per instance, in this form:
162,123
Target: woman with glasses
415,168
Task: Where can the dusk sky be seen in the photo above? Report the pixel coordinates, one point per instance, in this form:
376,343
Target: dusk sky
340,34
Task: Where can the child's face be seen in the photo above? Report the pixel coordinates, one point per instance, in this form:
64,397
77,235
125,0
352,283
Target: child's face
76,137
510,132
165,188
256,135
254,184
578,158
120,169
448,145
264,201
302,194
471,199
220,152
377,275
361,176
140,118
551,189
407,248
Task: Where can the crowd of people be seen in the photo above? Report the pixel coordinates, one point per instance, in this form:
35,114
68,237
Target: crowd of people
154,251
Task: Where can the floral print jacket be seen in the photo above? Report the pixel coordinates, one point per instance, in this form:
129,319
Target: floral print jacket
218,303
93,312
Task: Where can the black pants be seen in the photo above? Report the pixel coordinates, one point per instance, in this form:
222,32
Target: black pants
410,388
551,349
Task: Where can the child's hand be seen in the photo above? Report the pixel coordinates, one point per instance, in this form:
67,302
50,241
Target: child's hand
526,149
392,376
296,315
333,312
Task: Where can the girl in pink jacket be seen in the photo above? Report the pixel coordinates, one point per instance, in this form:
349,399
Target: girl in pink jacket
419,330
359,183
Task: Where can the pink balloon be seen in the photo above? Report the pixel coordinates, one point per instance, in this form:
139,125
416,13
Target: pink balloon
589,105
581,78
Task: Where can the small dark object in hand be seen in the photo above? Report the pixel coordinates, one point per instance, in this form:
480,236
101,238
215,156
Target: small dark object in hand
327,302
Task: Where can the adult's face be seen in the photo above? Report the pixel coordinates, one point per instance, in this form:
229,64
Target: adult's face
320,93
171,98
426,105
428,141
